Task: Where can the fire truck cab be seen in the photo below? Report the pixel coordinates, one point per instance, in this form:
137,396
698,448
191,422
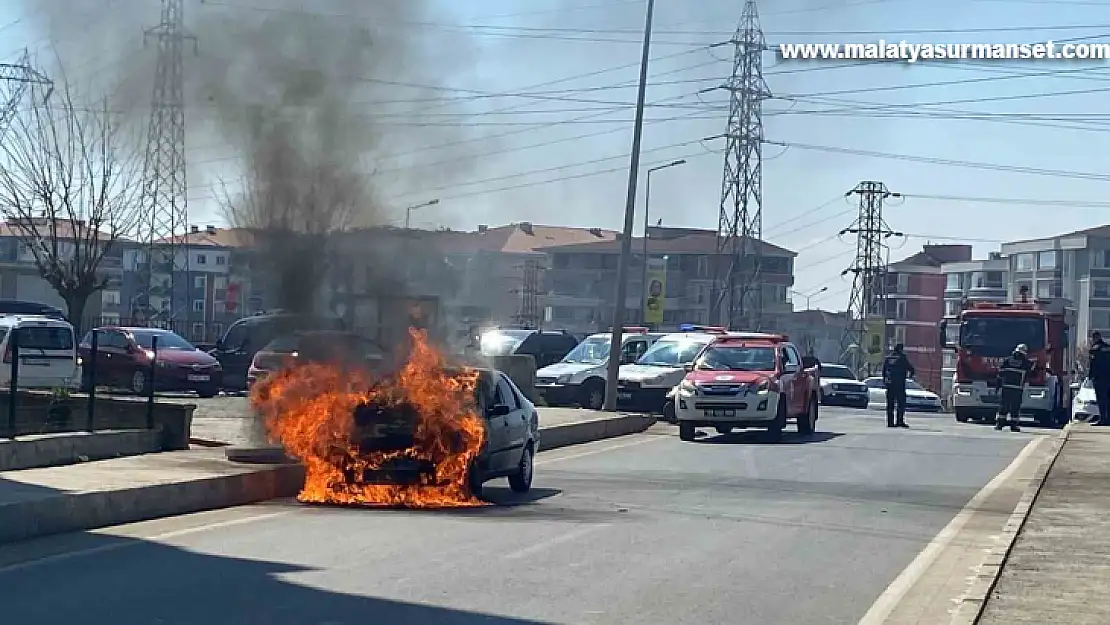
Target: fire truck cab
986,333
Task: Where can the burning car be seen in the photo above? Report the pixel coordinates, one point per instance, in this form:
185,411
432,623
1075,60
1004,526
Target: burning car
428,435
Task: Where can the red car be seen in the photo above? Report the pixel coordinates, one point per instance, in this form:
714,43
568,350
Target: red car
123,358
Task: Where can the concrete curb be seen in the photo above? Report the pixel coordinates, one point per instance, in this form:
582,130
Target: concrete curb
74,447
970,605
85,511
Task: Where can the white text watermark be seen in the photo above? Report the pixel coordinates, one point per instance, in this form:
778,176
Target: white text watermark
913,52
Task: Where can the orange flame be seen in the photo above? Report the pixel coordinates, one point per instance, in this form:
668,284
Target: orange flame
310,410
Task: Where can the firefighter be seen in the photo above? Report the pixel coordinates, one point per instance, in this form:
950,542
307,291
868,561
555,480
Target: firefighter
896,369
1011,382
1098,369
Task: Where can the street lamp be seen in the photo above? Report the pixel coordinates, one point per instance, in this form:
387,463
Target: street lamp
629,221
408,211
647,213
811,295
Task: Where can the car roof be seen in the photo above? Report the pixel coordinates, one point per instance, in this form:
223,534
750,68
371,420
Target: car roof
11,320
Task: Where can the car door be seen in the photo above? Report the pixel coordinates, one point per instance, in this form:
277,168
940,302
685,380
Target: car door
113,363
233,357
801,384
497,426
516,420
787,379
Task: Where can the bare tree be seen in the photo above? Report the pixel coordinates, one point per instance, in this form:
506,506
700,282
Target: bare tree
292,203
70,185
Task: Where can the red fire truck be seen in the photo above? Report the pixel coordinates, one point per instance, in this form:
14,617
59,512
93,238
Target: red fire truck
986,333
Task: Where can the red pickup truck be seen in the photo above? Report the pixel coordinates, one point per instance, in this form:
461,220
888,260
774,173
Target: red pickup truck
749,381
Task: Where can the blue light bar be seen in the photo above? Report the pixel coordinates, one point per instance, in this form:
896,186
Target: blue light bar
686,327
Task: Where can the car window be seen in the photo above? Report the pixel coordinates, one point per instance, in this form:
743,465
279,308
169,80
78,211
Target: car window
836,372
235,335
45,337
113,339
506,391
787,359
793,352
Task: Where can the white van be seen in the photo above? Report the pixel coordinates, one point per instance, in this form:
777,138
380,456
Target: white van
47,352
579,378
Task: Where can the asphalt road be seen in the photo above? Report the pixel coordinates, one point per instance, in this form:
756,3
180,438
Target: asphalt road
637,530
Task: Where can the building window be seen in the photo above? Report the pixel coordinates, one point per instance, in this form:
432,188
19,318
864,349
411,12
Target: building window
1100,319
953,283
1023,262
1048,260
221,259
202,259
198,332
899,335
1018,286
200,282
900,309
110,297
951,308
1100,259
1100,289
198,305
948,361
1049,288
903,283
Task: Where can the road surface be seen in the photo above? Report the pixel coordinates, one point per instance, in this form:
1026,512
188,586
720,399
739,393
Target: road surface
638,530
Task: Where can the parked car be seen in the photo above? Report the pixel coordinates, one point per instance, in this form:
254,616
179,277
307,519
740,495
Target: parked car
1084,406
28,308
236,349
917,398
47,353
746,382
346,348
124,355
579,378
512,437
841,387
547,347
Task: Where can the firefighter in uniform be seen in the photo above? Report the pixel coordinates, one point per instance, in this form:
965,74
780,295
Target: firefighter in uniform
896,369
1011,381
1098,370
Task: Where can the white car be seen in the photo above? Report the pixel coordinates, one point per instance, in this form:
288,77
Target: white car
1084,407
917,398
47,352
579,378
645,385
839,387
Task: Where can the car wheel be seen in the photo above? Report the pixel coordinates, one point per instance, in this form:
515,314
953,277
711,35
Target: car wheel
962,416
593,395
521,481
807,422
686,431
474,481
140,382
207,393
668,412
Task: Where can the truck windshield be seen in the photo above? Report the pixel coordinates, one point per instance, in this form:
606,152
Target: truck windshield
592,351
998,336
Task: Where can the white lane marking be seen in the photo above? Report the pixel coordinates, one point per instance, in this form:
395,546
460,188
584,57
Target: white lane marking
133,541
558,540
129,541
894,593
592,452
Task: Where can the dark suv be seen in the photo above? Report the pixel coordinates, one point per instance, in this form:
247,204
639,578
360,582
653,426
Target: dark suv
245,337
546,346
345,348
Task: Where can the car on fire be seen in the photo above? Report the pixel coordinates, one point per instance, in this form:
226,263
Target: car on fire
748,381
840,387
579,378
124,356
512,427
918,399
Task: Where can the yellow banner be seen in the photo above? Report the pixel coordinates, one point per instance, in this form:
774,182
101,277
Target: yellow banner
874,342
657,291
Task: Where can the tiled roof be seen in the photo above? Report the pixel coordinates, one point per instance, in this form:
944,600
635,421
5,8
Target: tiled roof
64,229
218,237
704,242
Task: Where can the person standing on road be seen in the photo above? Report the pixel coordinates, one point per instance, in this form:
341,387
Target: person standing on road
896,369
1011,381
1098,370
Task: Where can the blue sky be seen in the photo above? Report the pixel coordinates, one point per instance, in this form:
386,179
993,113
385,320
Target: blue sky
513,46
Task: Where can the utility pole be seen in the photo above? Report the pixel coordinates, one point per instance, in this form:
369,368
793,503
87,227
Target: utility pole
164,190
629,221
737,263
529,295
647,216
21,75
869,293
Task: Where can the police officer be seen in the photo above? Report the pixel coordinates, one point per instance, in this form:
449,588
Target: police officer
896,369
1098,369
1011,381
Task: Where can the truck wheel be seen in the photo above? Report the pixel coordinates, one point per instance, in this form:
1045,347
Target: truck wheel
686,431
593,394
779,424
807,422
668,412
962,416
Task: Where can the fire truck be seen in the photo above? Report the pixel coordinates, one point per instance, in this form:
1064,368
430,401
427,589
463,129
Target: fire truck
986,333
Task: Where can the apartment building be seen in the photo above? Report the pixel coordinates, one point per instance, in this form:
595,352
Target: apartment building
581,282
216,290
970,281
915,307
1075,266
20,277
817,333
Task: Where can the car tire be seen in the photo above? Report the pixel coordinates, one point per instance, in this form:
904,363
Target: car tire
807,423
474,481
668,412
779,424
140,382
593,394
521,481
207,393
962,416
686,431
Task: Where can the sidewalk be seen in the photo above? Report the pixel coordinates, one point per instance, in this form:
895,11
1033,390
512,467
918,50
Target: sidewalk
1059,568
